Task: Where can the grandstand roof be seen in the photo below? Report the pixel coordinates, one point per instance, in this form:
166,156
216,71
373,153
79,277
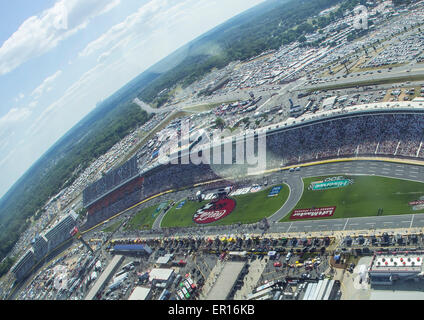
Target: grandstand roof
132,247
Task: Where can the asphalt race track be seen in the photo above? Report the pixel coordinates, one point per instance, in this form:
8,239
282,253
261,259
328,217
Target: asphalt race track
405,171
378,168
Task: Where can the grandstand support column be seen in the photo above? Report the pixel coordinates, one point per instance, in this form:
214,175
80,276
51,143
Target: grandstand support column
80,238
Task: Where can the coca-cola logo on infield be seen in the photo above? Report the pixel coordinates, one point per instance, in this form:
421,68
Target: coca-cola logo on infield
214,211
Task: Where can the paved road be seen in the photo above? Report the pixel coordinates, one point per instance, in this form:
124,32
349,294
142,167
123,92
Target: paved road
402,73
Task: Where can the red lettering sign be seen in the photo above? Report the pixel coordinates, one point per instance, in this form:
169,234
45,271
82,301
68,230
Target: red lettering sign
214,211
415,203
312,213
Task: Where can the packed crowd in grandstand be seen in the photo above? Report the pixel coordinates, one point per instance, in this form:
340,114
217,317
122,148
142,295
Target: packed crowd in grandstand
379,134
112,179
371,135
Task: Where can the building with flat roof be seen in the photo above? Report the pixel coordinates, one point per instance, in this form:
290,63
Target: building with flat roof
387,267
141,293
329,102
161,275
165,260
226,280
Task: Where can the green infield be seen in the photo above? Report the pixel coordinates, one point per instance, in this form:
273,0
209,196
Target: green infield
145,218
366,196
112,227
250,208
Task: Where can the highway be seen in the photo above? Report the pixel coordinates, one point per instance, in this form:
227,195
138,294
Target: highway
396,75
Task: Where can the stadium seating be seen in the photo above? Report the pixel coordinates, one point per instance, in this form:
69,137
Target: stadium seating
371,135
378,134
111,180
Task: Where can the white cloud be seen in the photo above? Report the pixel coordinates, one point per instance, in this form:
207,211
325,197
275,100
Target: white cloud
15,115
39,34
19,97
70,95
115,34
45,86
8,156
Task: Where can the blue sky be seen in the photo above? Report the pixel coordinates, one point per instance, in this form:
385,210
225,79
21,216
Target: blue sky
58,58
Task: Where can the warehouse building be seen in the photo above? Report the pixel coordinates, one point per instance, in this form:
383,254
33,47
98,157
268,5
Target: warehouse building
165,261
161,277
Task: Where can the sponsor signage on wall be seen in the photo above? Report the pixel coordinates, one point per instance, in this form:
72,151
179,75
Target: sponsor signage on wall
312,213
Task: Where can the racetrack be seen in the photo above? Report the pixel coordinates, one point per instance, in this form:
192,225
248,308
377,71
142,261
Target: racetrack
388,168
378,168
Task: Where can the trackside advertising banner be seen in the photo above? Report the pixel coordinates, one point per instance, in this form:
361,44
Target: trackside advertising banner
312,213
330,183
275,191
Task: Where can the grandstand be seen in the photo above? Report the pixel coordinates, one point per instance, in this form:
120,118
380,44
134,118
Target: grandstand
375,130
60,232
22,267
44,244
40,246
154,181
112,181
119,199
379,134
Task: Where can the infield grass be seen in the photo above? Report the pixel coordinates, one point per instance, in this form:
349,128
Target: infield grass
250,208
364,197
144,218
